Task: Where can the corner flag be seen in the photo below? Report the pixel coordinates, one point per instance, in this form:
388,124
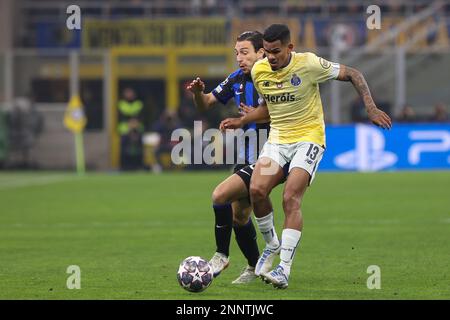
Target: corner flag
75,121
74,118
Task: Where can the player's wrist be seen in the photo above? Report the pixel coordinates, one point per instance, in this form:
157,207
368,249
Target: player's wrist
371,108
244,120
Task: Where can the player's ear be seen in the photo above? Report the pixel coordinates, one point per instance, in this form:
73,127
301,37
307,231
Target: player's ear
291,46
260,53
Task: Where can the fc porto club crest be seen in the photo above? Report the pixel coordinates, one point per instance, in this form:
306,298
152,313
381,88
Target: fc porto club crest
295,80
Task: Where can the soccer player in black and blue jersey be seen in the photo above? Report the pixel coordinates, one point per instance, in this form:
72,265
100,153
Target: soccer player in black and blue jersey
231,197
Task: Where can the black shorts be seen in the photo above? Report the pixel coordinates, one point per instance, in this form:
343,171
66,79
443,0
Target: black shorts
245,171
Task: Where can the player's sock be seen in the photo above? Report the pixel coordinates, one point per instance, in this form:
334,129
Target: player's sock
224,223
246,239
290,239
265,225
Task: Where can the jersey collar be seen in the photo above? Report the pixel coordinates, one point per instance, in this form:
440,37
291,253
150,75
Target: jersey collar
289,65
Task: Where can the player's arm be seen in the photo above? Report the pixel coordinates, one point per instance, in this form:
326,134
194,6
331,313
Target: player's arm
244,109
377,116
261,113
201,100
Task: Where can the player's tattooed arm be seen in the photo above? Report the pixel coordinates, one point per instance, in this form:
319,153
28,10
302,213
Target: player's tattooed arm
377,116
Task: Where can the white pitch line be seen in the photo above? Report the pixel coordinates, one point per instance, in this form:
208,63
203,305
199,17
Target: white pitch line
24,182
96,224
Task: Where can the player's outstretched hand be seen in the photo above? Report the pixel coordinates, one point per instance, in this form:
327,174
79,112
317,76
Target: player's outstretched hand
196,86
244,109
380,119
230,123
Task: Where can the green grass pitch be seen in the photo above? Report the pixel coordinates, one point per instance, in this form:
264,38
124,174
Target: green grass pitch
129,232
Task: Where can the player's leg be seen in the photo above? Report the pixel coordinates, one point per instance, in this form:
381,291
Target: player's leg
266,175
245,231
293,192
245,234
295,187
223,196
303,167
235,188
243,225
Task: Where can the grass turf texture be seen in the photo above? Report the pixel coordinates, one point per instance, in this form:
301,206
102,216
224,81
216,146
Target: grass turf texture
129,232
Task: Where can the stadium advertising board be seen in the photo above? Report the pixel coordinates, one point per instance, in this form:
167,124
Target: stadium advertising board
157,32
364,147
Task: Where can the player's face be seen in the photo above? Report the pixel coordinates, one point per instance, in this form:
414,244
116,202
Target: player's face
277,53
246,55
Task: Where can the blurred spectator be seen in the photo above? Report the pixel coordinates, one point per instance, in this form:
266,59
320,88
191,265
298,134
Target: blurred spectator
187,115
25,124
130,128
354,8
440,113
187,112
195,6
167,123
407,115
296,6
395,6
92,97
209,7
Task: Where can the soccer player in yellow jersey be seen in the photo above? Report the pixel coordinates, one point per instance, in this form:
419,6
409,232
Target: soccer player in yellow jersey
289,84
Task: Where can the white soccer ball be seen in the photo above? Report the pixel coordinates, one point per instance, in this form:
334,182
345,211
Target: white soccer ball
195,274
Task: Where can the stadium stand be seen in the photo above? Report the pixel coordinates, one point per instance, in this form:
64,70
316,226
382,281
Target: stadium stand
38,52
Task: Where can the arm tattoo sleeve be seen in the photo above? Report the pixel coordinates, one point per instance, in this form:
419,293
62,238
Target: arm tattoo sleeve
360,84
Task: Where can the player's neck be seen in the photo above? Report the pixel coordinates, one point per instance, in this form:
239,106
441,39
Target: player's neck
287,63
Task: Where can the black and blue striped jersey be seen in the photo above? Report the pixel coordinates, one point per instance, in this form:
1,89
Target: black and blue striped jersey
239,86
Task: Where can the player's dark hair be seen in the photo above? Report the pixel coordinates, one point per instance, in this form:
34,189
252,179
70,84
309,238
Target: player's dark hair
255,37
277,32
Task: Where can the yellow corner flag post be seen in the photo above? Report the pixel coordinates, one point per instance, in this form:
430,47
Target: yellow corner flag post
75,121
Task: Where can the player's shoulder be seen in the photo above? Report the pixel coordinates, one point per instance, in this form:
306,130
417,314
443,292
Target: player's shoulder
232,77
304,57
235,74
314,58
261,66
311,60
